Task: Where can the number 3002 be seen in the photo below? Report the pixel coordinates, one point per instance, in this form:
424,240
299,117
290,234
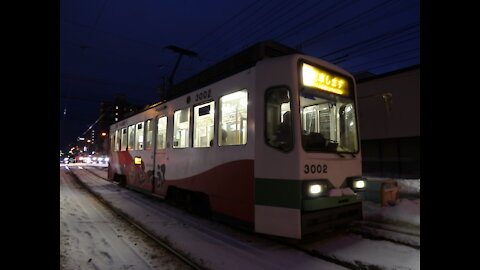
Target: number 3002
315,168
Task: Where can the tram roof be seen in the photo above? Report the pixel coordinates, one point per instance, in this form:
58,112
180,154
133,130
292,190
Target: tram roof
231,65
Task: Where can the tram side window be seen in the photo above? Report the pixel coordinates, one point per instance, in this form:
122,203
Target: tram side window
232,129
123,143
148,134
139,136
118,134
203,123
131,138
112,141
278,122
181,127
161,132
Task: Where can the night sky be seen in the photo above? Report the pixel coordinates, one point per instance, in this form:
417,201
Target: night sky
119,47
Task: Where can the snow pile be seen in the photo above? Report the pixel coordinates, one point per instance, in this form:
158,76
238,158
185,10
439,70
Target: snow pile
405,212
409,187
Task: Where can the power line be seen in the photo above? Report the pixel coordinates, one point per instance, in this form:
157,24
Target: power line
373,41
315,18
257,25
355,69
312,40
392,44
224,24
86,79
222,40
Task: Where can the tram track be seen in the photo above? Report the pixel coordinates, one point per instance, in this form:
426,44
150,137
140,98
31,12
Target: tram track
376,231
305,248
185,259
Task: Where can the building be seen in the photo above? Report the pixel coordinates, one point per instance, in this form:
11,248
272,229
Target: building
110,112
389,120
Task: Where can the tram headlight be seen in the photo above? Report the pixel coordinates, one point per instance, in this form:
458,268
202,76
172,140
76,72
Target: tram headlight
359,184
315,189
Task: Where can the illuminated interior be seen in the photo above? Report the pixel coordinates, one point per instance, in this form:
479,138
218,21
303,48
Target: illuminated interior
139,137
123,144
203,119
162,132
131,138
233,118
328,122
148,135
181,127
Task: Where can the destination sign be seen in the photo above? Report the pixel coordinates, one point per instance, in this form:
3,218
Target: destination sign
324,80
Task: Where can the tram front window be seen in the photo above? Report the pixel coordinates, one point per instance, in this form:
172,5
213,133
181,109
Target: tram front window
328,122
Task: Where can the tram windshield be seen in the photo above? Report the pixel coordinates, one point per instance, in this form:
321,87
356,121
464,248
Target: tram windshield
328,122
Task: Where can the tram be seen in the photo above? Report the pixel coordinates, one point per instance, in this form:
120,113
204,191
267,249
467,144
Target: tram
267,139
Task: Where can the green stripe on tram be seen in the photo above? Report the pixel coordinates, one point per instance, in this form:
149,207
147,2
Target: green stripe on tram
288,194
278,192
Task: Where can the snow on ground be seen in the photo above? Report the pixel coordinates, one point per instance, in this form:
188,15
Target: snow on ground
359,251
92,238
217,246
406,187
209,243
405,212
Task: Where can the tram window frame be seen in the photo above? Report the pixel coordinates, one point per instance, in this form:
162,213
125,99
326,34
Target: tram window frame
131,138
139,136
196,114
148,134
269,131
164,145
118,137
222,132
186,136
124,139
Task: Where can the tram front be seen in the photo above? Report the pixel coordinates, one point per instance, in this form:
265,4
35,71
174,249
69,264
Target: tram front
331,167
308,170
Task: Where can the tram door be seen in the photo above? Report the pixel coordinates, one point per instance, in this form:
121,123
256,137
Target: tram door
159,155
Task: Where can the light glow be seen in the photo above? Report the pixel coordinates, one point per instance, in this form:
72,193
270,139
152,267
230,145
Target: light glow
138,160
359,184
323,80
315,189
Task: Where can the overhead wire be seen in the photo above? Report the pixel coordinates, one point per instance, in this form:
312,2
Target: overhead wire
394,9
253,3
383,61
312,40
245,23
315,18
371,42
245,36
